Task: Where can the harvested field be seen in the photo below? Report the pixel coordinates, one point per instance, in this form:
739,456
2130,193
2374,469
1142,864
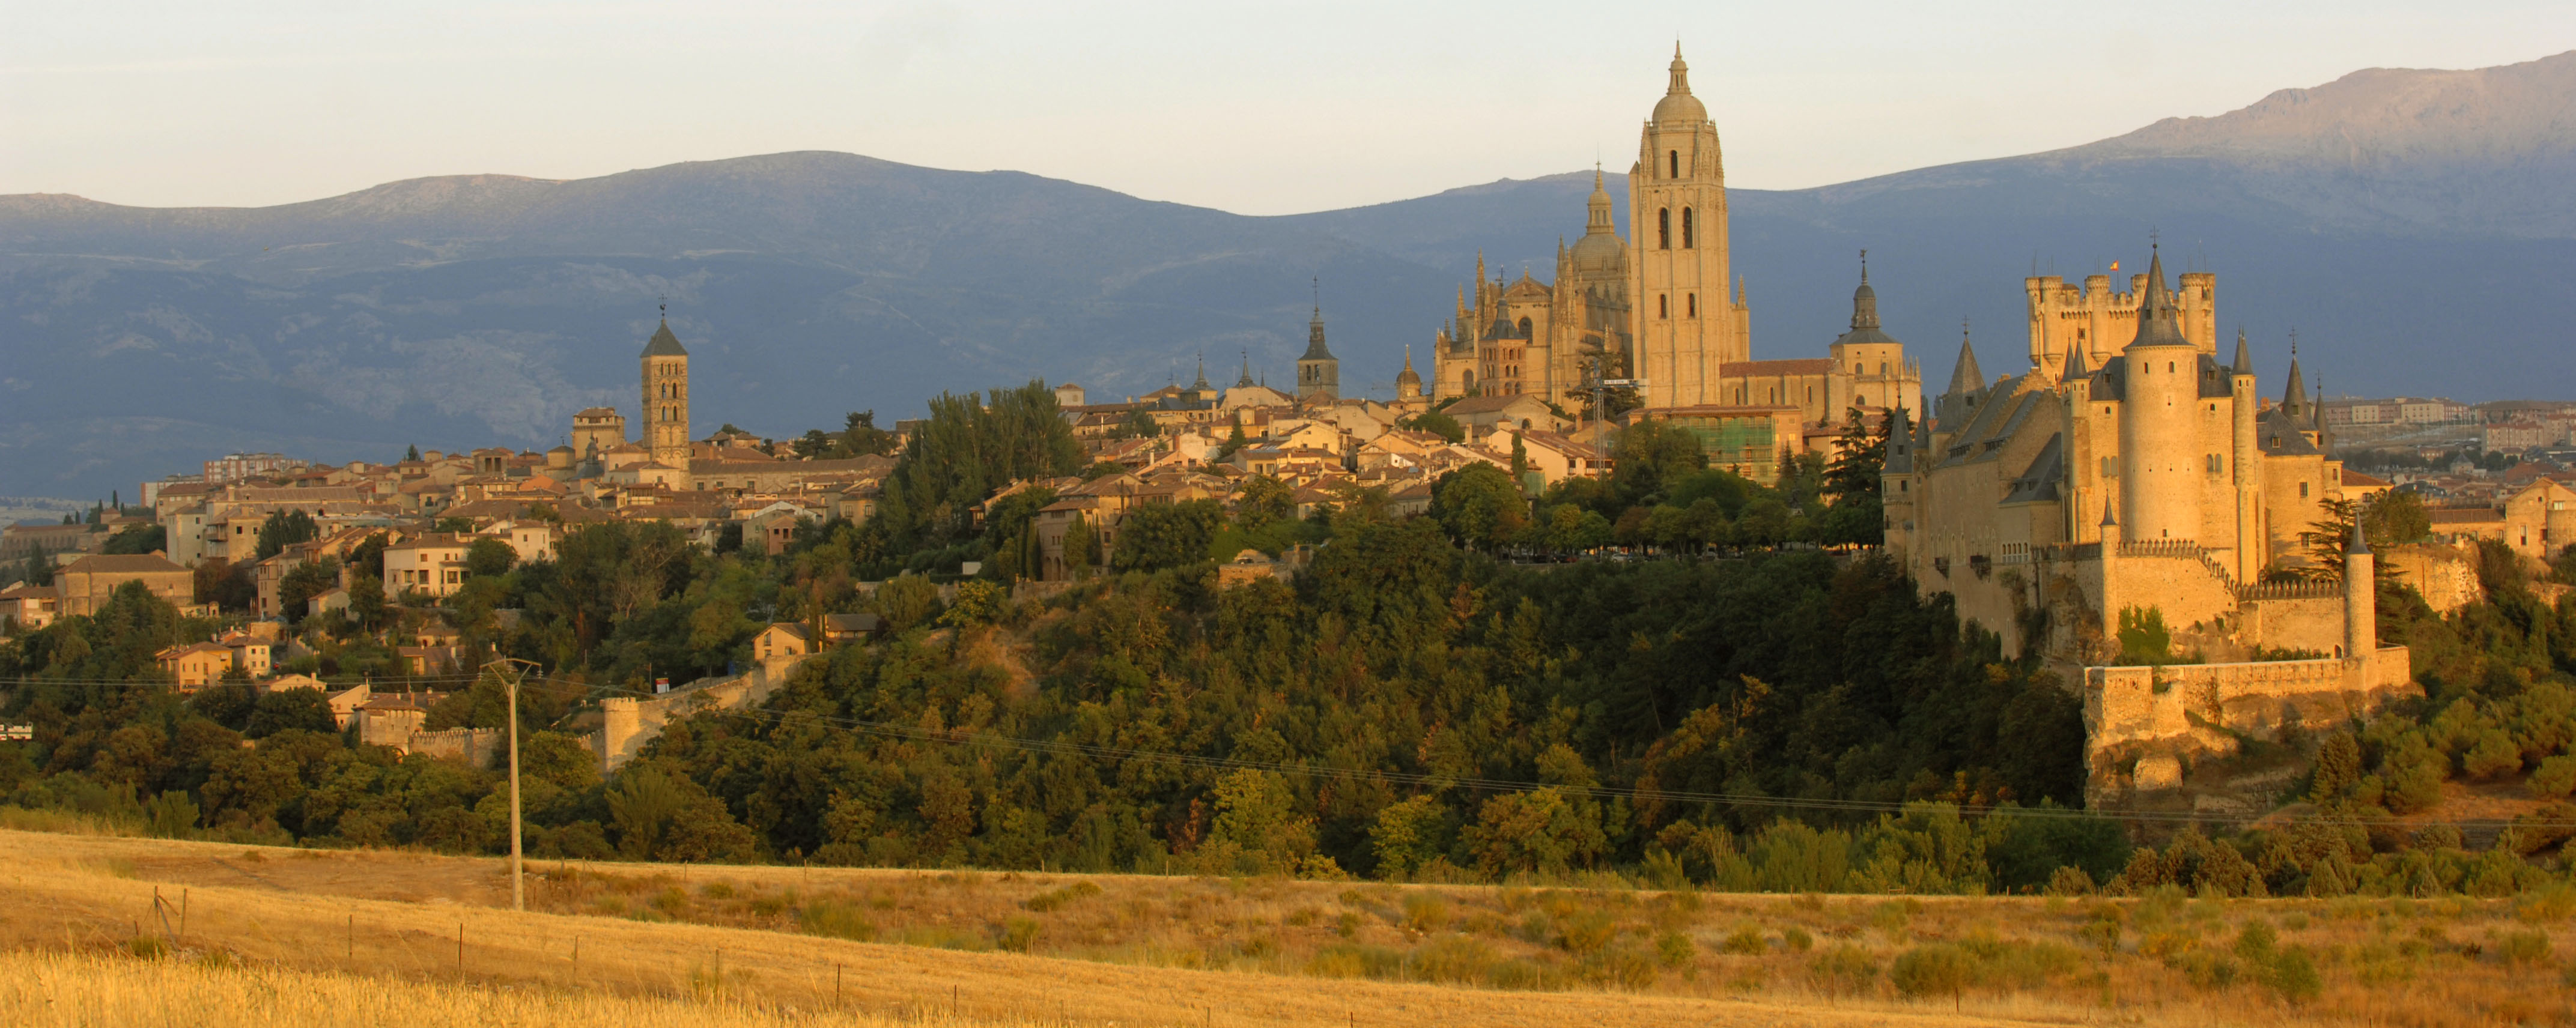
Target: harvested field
1096,949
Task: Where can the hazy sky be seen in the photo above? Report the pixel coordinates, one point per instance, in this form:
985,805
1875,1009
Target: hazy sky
1260,109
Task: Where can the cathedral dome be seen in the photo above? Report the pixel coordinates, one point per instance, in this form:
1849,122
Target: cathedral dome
1600,255
1678,105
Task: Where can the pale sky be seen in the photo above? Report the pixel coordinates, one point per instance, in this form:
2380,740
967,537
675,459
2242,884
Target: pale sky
1257,109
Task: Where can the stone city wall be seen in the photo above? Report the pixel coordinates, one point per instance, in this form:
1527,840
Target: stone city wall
475,747
628,722
2143,724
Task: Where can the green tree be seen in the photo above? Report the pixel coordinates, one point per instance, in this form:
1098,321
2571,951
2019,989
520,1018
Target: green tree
1650,457
905,601
302,583
1166,535
1479,506
1263,500
138,539
1438,424
489,558
861,437
285,528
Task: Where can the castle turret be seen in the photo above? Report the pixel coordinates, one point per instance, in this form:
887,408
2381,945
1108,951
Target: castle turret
2360,599
2252,549
2109,531
1967,389
2159,482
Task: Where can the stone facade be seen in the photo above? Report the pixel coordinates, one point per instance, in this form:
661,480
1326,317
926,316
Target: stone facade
665,425
2144,725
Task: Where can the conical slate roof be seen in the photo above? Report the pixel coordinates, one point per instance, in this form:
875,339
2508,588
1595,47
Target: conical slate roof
1966,378
664,344
2244,357
2159,322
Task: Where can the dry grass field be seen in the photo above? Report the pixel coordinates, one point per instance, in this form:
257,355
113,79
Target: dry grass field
770,942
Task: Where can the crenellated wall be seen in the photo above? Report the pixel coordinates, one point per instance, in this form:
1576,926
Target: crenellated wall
2142,725
475,747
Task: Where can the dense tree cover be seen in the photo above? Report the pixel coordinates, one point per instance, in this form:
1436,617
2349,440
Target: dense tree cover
1367,710
1662,494
285,528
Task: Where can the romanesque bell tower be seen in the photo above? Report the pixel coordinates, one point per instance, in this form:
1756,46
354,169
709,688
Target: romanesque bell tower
665,424
1687,328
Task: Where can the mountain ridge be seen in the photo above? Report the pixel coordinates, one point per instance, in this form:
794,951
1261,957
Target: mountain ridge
482,309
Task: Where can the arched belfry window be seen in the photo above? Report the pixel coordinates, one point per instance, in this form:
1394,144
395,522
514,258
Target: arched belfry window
1664,306
1676,158
1664,229
1688,236
1691,302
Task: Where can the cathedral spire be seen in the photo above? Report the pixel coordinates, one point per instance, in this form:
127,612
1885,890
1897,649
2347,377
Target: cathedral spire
1681,73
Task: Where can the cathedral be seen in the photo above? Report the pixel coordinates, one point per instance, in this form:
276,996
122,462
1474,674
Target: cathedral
1662,306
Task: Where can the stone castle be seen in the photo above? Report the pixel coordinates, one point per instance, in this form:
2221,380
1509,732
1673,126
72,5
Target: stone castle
1663,306
2133,477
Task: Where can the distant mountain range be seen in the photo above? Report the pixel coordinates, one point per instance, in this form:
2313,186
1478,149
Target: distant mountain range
2416,227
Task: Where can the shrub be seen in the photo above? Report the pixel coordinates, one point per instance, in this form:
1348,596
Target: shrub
1453,958
2555,778
2070,881
1797,939
1055,898
716,891
1018,934
837,920
2293,975
1745,941
1585,932
1844,971
1675,949
1937,969
2520,948
1424,912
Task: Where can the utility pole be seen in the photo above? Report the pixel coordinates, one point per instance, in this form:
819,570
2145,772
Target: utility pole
512,673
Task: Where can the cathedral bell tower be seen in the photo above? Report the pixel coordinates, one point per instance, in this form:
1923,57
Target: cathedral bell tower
1686,327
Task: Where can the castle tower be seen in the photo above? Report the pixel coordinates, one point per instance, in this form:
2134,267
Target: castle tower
2160,369
2251,552
1686,327
2360,599
665,428
1319,374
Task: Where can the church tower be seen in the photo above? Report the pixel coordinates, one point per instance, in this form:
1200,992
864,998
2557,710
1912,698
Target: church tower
1686,327
1319,374
666,398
